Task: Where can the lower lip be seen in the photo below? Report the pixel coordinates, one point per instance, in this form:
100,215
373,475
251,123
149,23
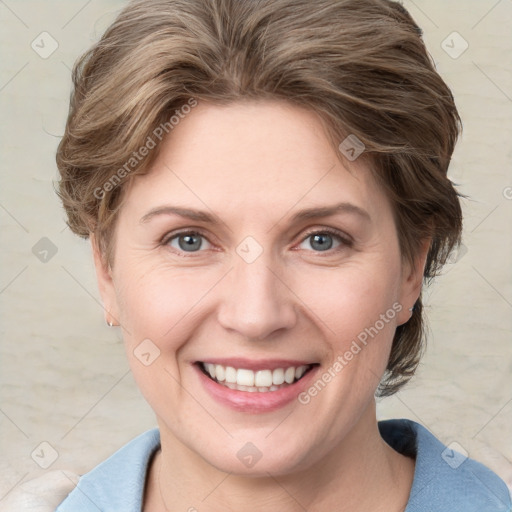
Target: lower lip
255,402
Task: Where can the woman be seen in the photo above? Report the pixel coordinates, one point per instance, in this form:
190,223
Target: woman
264,186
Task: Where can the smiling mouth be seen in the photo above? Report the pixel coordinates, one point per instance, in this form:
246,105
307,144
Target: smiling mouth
260,381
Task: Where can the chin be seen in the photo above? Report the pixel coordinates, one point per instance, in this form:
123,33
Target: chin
247,459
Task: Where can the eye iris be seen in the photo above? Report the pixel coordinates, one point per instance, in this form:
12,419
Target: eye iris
189,242
324,242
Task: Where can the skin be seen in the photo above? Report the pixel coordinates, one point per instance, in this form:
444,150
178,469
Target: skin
253,165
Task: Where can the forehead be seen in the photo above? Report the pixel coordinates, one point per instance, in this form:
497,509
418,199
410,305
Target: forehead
252,158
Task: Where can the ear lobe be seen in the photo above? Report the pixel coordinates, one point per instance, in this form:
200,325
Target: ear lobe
412,282
105,283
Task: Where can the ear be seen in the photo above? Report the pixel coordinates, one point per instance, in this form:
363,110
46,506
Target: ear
105,283
412,281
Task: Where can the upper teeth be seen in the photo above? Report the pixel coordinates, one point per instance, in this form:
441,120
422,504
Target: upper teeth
260,378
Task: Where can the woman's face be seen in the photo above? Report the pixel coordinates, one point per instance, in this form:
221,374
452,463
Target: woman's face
248,250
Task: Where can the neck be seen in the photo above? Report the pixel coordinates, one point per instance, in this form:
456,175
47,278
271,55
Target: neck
360,473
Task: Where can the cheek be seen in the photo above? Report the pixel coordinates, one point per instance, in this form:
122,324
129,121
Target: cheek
349,300
158,303
158,308
356,309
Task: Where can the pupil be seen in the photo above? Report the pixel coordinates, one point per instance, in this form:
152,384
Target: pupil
323,245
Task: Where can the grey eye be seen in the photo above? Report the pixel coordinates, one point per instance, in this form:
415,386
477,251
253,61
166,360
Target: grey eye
188,242
322,241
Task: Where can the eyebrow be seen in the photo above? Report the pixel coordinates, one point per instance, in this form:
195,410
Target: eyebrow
308,213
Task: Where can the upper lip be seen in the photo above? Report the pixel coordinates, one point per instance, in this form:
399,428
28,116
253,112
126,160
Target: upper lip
256,364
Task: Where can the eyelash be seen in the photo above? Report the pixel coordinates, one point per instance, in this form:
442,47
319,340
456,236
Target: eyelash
344,239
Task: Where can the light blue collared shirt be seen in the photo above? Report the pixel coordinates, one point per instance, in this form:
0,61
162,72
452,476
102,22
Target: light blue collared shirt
444,480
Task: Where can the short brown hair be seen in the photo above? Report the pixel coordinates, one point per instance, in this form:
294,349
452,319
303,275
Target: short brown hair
361,65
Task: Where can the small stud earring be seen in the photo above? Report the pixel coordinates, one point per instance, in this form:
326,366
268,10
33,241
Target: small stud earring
411,309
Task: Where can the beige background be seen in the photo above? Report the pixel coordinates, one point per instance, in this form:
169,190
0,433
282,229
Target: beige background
63,375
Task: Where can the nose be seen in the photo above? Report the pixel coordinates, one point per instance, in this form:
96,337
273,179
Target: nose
256,300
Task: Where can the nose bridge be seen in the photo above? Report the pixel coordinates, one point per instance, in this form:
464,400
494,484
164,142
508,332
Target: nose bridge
255,302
